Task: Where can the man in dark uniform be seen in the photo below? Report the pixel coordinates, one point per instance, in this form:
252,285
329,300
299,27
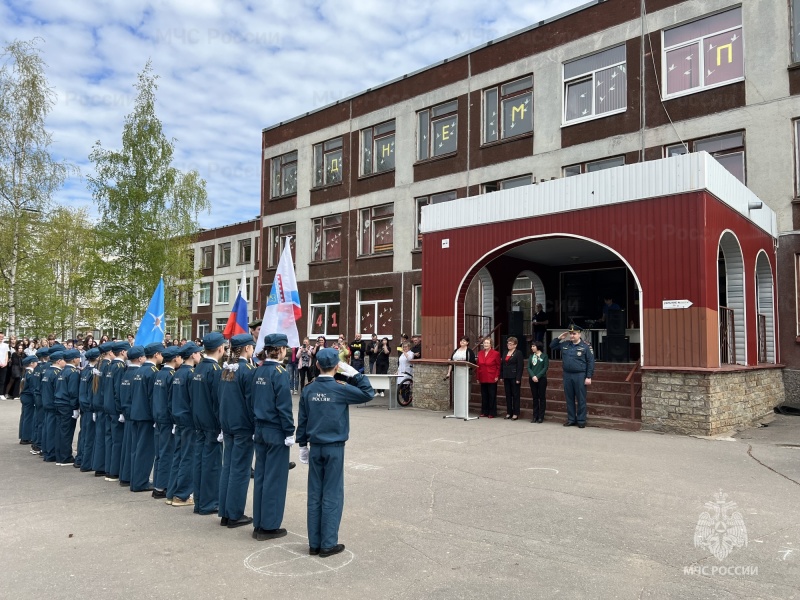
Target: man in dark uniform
66,403
324,421
179,489
114,429
143,442
38,412
135,360
86,436
578,366
162,413
49,378
101,423
26,426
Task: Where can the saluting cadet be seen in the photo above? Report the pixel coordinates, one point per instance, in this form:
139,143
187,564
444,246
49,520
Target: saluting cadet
578,366
238,426
38,412
162,414
324,421
272,408
143,432
100,423
26,424
203,390
135,360
86,436
48,398
179,489
66,403
112,380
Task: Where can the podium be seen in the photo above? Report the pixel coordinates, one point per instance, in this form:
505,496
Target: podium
461,385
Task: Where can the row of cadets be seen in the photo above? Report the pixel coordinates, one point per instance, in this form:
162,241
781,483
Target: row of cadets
43,354
203,391
143,432
65,400
135,360
179,488
26,422
112,378
162,415
48,402
100,424
238,428
86,436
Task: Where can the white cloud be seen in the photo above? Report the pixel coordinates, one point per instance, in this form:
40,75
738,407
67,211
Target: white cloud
229,69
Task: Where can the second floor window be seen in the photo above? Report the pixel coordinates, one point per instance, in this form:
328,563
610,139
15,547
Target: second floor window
595,85
508,111
596,165
507,184
284,175
377,148
728,149
424,201
327,238
376,229
245,247
278,235
224,255
438,130
223,292
204,296
207,254
328,163
795,9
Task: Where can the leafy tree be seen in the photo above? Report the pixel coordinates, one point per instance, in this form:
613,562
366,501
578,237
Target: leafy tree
148,215
28,174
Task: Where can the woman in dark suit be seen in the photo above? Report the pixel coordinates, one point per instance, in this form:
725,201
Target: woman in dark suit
513,366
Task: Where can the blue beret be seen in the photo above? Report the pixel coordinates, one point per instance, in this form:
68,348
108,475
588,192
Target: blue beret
213,340
42,352
30,359
170,352
57,355
327,358
106,347
241,340
152,349
135,352
72,354
92,353
276,340
121,346
188,349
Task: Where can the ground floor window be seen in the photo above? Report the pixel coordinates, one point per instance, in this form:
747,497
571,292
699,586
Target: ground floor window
375,312
416,310
324,314
203,328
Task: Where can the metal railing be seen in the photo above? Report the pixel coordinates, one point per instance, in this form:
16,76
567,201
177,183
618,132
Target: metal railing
477,327
727,336
635,388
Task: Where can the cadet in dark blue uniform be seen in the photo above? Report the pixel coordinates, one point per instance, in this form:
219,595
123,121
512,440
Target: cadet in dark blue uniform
135,360
38,412
324,421
162,414
238,426
26,424
66,403
86,436
203,390
143,433
48,398
272,407
180,485
98,414
578,366
114,428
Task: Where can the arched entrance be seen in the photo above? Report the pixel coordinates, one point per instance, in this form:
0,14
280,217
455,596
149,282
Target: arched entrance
731,301
765,317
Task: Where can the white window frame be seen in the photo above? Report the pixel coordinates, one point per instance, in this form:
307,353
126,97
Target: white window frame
416,310
203,328
248,288
220,324
592,74
326,307
186,330
223,287
204,290
374,305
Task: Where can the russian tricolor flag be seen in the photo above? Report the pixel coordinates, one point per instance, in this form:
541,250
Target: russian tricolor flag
237,321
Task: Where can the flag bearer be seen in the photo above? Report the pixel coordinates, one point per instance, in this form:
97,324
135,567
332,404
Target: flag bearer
86,437
162,414
180,485
143,432
135,360
66,403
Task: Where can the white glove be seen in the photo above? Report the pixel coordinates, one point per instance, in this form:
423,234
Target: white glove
304,455
173,429
347,369
154,425
121,419
94,417
220,437
75,414
289,441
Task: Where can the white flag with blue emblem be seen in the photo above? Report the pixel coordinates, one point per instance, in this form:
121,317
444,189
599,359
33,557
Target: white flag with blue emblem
151,327
283,305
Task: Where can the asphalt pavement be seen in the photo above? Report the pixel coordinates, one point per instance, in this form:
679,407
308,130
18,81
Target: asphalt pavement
436,508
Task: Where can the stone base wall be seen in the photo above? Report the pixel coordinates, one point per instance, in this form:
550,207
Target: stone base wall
430,391
791,383
709,403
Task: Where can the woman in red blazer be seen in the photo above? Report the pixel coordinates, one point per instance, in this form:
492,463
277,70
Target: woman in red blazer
488,374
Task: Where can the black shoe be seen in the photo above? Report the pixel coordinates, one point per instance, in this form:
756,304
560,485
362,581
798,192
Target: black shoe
76,465
66,463
24,442
240,522
534,421
581,425
124,483
568,424
291,465
270,534
159,494
99,473
255,533
326,552
313,551
223,522
147,489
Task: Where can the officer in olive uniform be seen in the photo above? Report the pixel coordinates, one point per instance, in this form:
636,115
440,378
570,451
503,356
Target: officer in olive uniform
135,360
26,425
324,421
114,429
179,489
143,433
578,366
86,436
162,414
67,407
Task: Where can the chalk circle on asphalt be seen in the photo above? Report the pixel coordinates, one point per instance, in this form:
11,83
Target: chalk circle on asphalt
291,559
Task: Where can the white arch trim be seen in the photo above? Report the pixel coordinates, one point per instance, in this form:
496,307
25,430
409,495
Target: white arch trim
538,287
765,299
521,240
735,297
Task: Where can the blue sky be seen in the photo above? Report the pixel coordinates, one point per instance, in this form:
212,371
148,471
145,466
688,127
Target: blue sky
229,68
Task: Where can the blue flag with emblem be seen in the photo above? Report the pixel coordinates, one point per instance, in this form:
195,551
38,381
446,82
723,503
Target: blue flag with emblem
151,327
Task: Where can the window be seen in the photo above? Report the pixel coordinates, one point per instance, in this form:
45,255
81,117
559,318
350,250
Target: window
284,175
247,290
507,184
425,201
438,130
377,148
728,149
204,297
509,114
375,312
324,312
224,255
522,300
702,54
376,229
186,330
328,163
245,254
203,328
278,235
221,323
208,257
223,292
795,9
595,86
591,167
327,238
416,310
